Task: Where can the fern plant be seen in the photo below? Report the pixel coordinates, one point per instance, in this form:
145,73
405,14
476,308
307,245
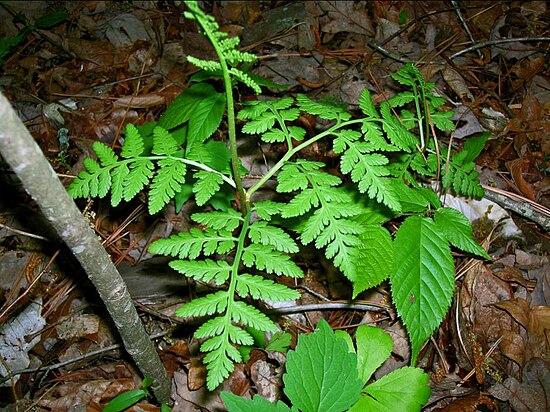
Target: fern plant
386,154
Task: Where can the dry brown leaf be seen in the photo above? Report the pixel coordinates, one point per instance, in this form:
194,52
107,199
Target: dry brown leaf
532,394
518,309
539,320
512,346
516,170
139,102
196,377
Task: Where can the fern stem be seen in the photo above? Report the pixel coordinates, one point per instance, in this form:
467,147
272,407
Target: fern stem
198,165
293,151
230,105
235,274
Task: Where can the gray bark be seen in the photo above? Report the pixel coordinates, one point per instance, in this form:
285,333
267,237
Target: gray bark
39,179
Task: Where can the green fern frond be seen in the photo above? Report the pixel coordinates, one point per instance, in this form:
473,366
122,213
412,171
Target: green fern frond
212,327
262,233
267,208
366,104
264,257
228,220
245,79
397,133
203,270
206,305
219,364
164,143
166,183
261,124
323,110
261,288
239,336
250,316
442,120
208,65
107,156
119,175
133,143
138,177
189,245
206,186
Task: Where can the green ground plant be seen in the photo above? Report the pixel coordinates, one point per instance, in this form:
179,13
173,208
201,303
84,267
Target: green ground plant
8,44
387,154
327,372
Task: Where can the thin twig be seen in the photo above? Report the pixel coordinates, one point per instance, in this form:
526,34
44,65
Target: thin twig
21,232
499,41
520,205
374,307
465,25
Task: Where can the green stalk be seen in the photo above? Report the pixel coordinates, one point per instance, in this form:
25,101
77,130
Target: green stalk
231,126
294,150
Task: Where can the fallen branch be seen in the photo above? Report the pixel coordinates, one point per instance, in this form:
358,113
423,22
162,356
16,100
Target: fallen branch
39,179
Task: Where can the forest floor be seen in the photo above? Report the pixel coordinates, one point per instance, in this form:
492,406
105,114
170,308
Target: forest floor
114,63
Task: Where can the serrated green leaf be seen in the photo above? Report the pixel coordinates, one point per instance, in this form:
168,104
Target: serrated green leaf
212,327
273,135
166,183
228,220
374,346
118,176
133,143
183,106
206,118
265,289
220,365
404,389
321,373
323,110
189,245
272,261
253,109
105,154
456,228
236,403
104,183
297,133
163,142
374,259
140,173
239,336
250,316
263,233
411,200
442,120
267,208
474,146
422,282
203,270
290,179
261,124
366,104
207,305
207,184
